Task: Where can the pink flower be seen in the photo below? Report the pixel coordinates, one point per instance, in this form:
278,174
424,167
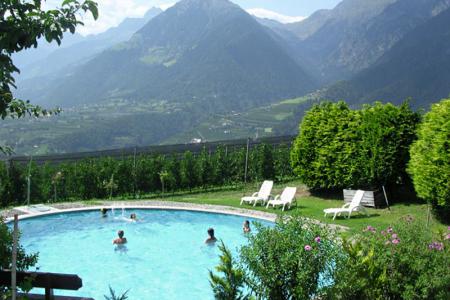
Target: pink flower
317,239
390,230
436,245
370,228
448,228
439,246
308,248
394,236
447,237
383,232
395,241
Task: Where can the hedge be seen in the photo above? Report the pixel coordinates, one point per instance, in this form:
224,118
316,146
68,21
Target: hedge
101,178
430,159
338,147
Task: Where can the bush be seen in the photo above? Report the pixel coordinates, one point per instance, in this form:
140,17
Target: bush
126,176
430,158
292,260
342,148
230,286
401,262
24,260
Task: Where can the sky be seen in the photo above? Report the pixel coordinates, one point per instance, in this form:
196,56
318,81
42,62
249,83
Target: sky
112,12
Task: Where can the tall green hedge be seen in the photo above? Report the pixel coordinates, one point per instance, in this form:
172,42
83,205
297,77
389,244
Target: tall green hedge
128,177
430,158
338,147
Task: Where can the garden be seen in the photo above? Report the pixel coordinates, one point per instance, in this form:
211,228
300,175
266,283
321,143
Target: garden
401,251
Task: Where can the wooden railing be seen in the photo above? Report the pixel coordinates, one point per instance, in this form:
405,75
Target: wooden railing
48,281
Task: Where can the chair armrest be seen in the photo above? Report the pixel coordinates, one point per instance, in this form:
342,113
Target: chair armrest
346,205
277,197
255,194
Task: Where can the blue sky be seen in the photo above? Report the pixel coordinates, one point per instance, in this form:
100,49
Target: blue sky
112,12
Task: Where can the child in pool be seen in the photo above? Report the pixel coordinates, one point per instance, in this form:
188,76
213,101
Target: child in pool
211,239
246,226
121,239
104,212
133,217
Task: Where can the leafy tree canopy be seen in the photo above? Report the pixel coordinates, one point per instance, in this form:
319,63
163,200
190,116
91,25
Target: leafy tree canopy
22,24
430,158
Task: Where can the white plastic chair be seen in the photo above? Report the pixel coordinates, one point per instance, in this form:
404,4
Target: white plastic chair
355,205
262,196
287,197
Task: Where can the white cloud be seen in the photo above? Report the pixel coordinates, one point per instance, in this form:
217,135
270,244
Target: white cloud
166,5
112,12
268,14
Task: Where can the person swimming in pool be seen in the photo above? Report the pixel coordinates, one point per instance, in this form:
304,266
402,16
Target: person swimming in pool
133,217
211,239
104,212
121,239
246,226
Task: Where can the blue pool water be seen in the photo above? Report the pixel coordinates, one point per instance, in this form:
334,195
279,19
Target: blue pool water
165,257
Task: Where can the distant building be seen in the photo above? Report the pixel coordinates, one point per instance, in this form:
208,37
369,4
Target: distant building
196,141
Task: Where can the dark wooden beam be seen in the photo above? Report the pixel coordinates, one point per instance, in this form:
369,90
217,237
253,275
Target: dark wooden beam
44,280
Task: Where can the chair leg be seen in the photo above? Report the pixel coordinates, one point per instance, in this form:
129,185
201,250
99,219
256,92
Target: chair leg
334,217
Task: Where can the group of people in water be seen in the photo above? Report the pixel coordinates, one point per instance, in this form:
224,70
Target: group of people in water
120,240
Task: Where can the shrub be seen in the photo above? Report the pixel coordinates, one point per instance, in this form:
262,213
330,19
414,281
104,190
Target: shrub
230,286
292,260
322,153
401,262
342,148
24,260
94,177
430,158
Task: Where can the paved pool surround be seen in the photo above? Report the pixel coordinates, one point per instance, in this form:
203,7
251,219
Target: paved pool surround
56,208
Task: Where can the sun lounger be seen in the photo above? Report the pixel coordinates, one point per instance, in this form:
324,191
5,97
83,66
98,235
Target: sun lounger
262,196
348,208
286,198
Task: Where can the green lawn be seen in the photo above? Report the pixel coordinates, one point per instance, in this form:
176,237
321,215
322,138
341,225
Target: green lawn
312,207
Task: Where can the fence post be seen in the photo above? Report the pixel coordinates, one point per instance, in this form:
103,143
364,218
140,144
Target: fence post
246,161
14,257
29,181
134,173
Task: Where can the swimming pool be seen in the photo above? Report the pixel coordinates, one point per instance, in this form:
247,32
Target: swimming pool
165,257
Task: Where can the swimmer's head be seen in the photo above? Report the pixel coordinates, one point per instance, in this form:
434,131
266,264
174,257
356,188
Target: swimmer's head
133,216
120,233
103,211
246,223
211,232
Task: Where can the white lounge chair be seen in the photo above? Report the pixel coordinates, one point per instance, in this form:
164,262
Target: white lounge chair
262,196
355,205
287,197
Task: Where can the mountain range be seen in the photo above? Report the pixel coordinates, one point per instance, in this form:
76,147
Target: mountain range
201,61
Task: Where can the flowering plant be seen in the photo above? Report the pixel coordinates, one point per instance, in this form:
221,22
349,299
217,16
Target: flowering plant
404,261
292,260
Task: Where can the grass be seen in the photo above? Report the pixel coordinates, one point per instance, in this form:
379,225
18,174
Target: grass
312,207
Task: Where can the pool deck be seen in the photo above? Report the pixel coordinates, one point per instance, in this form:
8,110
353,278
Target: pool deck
25,212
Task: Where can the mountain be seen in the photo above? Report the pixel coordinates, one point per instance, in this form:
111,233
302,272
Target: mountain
48,59
418,66
351,37
210,53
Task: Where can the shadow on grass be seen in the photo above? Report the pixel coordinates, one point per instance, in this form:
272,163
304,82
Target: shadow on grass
357,217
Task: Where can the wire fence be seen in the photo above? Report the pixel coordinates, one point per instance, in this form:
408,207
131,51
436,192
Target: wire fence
180,149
